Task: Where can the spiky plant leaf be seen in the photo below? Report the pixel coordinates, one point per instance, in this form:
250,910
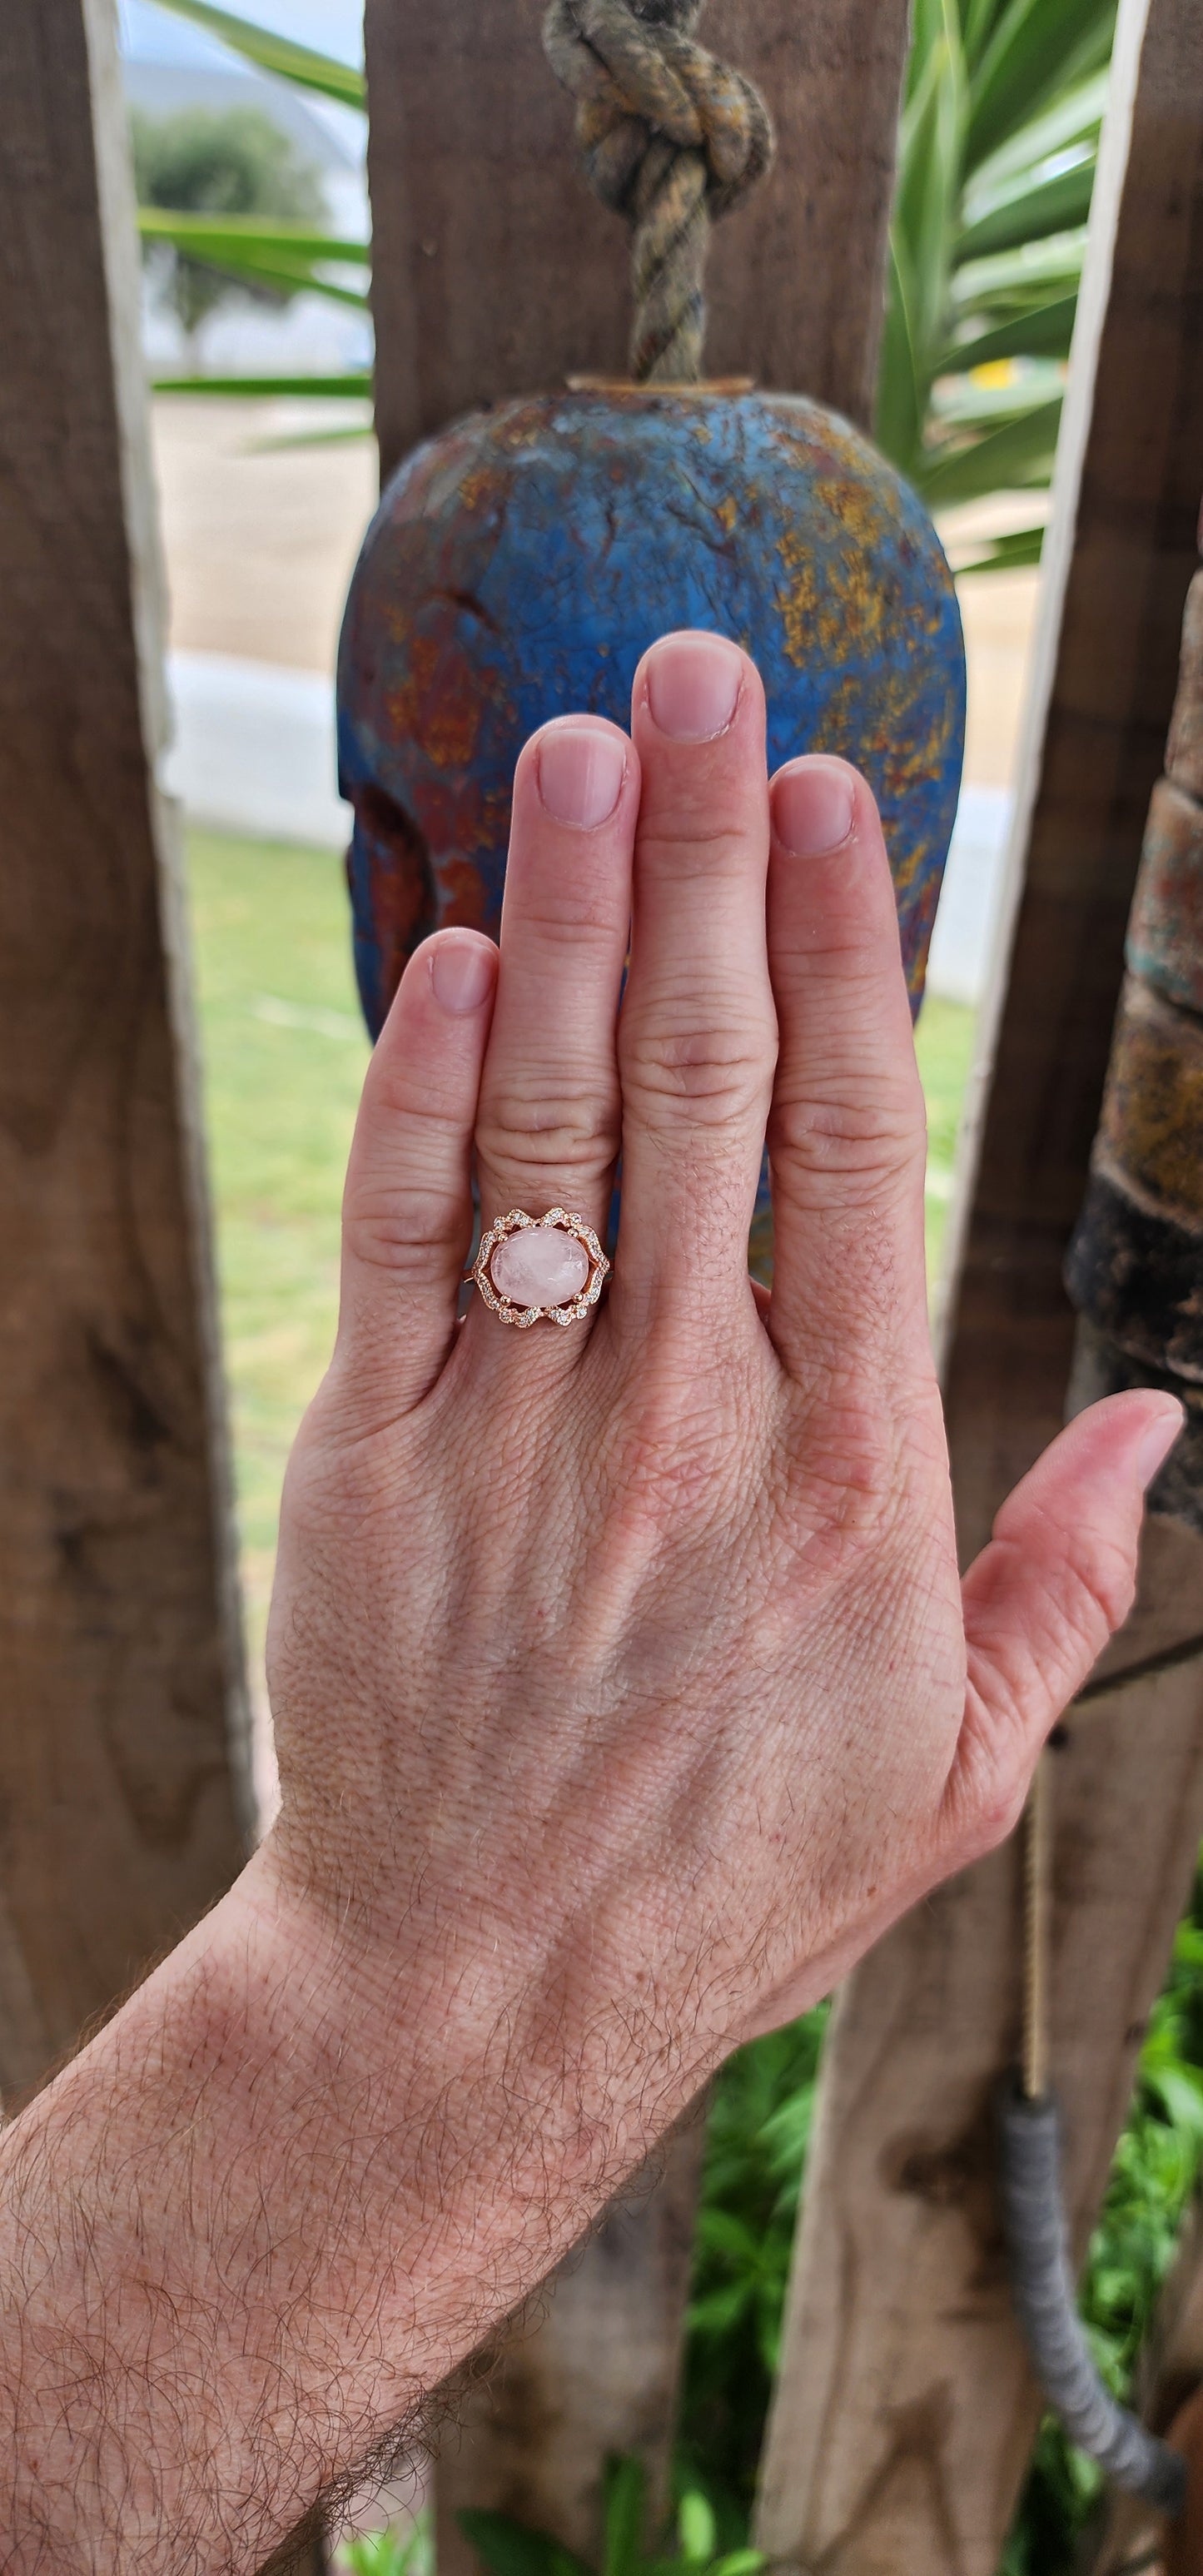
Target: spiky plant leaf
279,54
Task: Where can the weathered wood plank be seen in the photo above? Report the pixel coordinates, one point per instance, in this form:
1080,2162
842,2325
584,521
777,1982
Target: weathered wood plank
495,270
118,1641
904,2410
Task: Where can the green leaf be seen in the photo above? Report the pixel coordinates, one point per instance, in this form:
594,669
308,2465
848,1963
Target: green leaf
223,236
1023,213
509,2549
1019,548
255,269
901,397
292,62
310,438
719,2311
963,402
1017,276
723,2233
696,2528
1075,117
977,26
270,388
1036,46
929,178
1020,451
1045,332
625,2495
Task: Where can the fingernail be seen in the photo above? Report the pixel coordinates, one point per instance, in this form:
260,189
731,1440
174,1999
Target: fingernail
580,774
812,807
692,686
462,971
1157,1440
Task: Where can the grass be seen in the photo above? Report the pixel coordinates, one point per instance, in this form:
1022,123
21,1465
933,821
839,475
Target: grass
284,1053
284,1056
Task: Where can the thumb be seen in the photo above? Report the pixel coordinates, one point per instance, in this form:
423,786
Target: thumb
1040,1602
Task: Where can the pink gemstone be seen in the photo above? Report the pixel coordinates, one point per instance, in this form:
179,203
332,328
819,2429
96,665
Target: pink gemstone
539,1266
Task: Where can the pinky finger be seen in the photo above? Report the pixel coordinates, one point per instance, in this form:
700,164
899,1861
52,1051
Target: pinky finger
407,1206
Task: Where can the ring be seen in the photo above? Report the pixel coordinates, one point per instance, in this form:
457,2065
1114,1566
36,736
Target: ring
533,1269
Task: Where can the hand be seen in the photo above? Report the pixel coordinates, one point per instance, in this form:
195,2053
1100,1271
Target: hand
625,1668
623,1686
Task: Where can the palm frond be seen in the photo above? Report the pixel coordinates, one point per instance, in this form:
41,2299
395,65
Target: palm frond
1041,331
279,54
1019,451
356,382
1014,552
1037,47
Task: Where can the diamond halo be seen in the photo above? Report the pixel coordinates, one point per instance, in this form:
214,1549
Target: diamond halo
576,1308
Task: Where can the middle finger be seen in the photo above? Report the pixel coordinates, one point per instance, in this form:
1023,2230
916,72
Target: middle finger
698,1034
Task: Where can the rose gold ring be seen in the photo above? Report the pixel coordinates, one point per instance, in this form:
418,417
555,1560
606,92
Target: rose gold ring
540,1269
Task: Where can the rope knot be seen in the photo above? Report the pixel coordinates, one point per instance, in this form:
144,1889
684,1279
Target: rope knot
670,138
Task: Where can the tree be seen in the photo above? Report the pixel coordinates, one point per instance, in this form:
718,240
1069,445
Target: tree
232,161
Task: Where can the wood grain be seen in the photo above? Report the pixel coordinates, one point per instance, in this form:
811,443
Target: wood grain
497,272
904,2410
119,1811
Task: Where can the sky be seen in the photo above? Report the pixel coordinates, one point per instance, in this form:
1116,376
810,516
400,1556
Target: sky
149,34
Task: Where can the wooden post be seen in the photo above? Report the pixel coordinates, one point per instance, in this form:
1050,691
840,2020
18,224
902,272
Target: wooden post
904,2410
124,1754
122,1815
495,271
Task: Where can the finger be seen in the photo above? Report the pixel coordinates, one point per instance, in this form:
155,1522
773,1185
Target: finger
548,1122
1057,1579
697,1037
846,1127
407,1206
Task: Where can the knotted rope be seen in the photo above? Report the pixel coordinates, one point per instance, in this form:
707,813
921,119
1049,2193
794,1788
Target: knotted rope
670,138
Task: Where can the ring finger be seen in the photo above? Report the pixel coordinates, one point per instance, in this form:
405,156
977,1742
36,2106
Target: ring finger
549,1118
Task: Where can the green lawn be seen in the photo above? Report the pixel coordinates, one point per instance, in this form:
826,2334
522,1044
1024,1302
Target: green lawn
284,1054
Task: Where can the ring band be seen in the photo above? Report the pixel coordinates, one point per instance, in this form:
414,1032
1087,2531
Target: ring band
531,1266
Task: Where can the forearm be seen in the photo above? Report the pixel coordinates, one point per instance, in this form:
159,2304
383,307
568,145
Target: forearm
242,2235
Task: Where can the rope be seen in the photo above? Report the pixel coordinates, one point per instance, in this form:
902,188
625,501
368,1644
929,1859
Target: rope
1037,1908
1043,2293
1038,2262
670,138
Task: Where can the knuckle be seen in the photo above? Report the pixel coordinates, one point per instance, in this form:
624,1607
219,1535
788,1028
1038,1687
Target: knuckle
522,1130
858,1136
417,1235
689,843
1102,1586
719,1069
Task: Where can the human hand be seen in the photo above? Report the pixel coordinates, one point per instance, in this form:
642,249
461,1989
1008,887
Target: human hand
623,1682
623,1685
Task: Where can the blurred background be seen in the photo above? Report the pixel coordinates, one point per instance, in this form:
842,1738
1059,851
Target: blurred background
258,348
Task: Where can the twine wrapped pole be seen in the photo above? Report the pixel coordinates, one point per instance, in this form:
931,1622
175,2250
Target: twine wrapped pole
671,139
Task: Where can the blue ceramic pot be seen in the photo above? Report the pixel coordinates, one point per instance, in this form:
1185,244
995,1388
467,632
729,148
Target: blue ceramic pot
519,565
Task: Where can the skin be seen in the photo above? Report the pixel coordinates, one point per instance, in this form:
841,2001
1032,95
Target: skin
624,1686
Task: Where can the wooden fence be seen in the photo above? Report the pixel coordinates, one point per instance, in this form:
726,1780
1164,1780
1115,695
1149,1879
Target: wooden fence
904,2410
